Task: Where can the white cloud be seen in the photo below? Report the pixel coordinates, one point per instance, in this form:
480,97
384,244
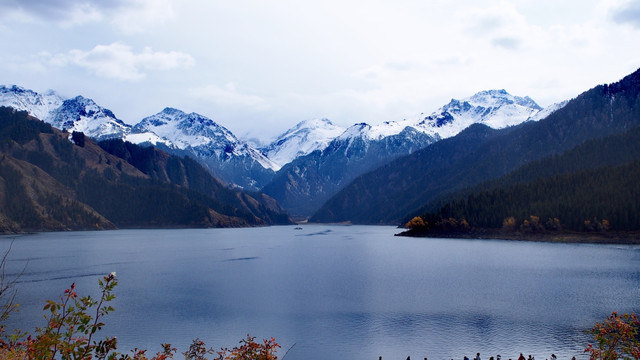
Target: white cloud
229,96
64,12
127,15
118,61
31,64
142,14
502,25
351,61
509,43
627,13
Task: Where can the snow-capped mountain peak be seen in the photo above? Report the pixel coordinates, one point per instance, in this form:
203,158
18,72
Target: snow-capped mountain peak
359,130
494,108
176,129
84,115
240,163
77,114
548,110
497,98
302,139
184,130
38,105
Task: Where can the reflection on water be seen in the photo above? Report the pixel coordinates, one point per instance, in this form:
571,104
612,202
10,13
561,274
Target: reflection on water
337,292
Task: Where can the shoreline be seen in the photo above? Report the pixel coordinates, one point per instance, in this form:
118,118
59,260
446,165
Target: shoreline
607,238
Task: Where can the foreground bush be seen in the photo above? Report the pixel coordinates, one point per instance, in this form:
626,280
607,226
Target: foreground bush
73,323
616,338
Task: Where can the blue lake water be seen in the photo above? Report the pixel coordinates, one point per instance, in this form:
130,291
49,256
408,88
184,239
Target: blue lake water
336,292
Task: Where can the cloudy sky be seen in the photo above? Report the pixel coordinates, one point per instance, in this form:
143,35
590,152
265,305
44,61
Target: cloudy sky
258,67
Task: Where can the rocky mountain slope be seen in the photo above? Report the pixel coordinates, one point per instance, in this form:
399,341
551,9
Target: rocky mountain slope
224,155
48,182
231,160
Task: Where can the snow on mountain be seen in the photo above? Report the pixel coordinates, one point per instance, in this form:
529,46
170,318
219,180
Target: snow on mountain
302,139
494,108
84,115
548,111
307,182
240,163
145,138
231,160
37,105
368,132
304,184
176,129
77,114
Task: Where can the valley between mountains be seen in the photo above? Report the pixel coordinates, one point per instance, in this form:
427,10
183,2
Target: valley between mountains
72,164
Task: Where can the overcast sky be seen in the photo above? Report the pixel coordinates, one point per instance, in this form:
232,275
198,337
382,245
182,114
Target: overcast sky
258,67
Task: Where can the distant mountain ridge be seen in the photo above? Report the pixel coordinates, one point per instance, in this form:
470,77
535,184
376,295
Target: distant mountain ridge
303,185
216,147
37,105
302,139
84,115
289,167
307,182
76,114
390,193
230,159
494,108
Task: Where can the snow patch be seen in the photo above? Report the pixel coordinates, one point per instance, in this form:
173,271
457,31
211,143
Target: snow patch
302,139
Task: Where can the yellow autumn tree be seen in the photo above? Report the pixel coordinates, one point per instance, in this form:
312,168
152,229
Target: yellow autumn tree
416,223
509,224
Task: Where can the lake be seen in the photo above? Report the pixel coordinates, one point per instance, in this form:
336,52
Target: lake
336,292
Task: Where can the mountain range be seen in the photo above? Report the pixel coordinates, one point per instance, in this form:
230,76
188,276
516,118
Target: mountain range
307,182
50,180
486,146
419,182
304,166
480,158
228,158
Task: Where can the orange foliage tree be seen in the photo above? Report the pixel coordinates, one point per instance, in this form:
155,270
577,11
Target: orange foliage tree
616,338
416,223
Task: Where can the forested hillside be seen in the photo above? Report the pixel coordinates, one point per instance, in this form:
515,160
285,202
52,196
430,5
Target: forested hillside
590,188
601,199
48,182
612,150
